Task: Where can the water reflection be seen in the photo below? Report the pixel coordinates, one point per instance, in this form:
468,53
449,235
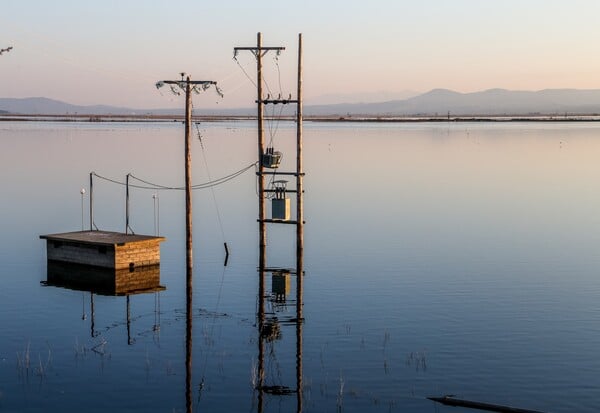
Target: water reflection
188,348
104,281
270,324
109,282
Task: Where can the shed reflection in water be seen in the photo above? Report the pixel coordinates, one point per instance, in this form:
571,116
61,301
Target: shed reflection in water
278,309
110,282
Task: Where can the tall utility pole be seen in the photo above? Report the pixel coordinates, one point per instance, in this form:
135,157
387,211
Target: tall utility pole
299,186
188,86
299,232
259,51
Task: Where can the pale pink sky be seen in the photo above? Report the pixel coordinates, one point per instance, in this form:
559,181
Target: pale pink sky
112,52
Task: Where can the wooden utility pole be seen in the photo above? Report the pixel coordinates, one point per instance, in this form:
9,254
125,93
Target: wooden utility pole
188,86
299,190
188,180
259,51
299,232
261,149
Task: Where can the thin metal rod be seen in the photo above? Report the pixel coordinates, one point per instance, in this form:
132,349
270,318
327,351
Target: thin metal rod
127,204
82,209
91,201
154,211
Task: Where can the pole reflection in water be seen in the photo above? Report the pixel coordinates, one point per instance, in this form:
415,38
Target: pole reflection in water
269,331
130,341
93,332
299,324
188,344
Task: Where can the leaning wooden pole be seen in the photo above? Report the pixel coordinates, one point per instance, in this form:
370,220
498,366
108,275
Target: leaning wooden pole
451,401
261,149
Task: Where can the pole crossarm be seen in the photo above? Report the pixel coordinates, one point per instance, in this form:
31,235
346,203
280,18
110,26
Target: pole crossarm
8,49
187,85
196,86
256,51
277,101
191,82
254,48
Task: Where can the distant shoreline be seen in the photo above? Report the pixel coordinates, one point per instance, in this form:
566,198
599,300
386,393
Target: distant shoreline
332,118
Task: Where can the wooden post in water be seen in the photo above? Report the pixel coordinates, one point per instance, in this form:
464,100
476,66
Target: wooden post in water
299,232
188,85
299,189
188,185
261,149
259,51
188,246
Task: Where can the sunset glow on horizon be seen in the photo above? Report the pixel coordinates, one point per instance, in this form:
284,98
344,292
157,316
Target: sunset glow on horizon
113,52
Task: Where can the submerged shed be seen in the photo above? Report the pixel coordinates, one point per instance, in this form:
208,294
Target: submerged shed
106,249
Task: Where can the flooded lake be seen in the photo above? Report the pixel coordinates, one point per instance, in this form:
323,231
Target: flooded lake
440,258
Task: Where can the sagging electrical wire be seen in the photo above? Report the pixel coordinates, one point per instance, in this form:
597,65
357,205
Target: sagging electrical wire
154,186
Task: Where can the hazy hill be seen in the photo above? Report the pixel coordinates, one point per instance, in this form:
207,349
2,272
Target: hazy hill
45,106
434,102
488,102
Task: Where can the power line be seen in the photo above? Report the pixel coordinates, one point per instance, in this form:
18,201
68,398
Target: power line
155,186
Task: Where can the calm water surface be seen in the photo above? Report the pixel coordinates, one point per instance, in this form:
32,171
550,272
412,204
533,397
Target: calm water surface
440,259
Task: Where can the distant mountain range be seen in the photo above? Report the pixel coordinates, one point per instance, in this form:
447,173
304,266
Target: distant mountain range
435,102
45,106
489,102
